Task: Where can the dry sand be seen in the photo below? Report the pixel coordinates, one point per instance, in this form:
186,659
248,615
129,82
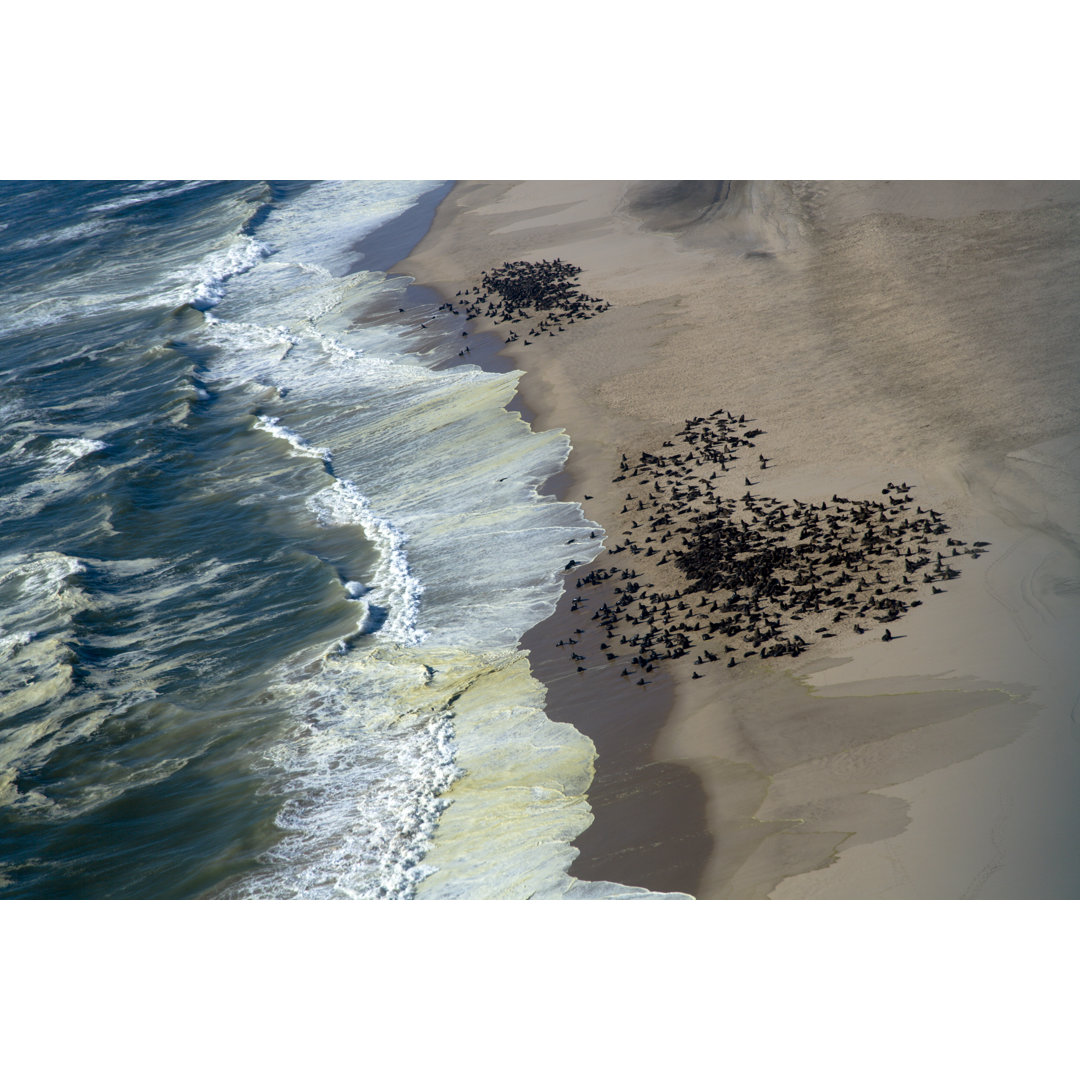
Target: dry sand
918,332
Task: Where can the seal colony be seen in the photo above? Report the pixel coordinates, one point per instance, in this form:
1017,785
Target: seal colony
751,574
519,291
758,574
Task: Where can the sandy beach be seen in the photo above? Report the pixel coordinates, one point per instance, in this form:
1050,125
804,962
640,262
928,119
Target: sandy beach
915,333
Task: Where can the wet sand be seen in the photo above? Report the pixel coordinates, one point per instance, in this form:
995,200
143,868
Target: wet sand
909,332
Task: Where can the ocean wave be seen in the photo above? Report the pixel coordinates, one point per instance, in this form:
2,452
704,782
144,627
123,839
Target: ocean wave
65,452
362,778
168,270
79,231
273,426
85,295
39,599
321,227
41,470
56,453
119,656
146,193
31,311
393,587
212,275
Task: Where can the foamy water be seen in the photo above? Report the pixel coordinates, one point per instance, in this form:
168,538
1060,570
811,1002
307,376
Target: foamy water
306,555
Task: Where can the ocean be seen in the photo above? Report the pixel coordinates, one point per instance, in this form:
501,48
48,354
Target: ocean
268,549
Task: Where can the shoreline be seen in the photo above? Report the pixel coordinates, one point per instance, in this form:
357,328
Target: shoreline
836,774
649,827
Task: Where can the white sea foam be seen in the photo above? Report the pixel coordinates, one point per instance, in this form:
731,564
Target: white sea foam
273,426
250,353
63,453
49,472
417,459
363,783
39,598
52,696
145,193
321,226
393,587
37,577
216,270
89,294
316,363
79,231
513,814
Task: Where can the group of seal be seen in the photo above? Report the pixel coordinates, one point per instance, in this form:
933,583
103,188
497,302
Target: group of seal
518,292
755,576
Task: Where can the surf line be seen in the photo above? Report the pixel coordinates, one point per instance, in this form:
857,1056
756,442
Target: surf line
393,586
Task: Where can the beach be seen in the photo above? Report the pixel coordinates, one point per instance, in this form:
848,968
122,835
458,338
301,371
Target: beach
876,334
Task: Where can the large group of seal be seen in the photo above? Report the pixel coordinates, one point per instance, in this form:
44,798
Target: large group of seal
546,292
761,578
